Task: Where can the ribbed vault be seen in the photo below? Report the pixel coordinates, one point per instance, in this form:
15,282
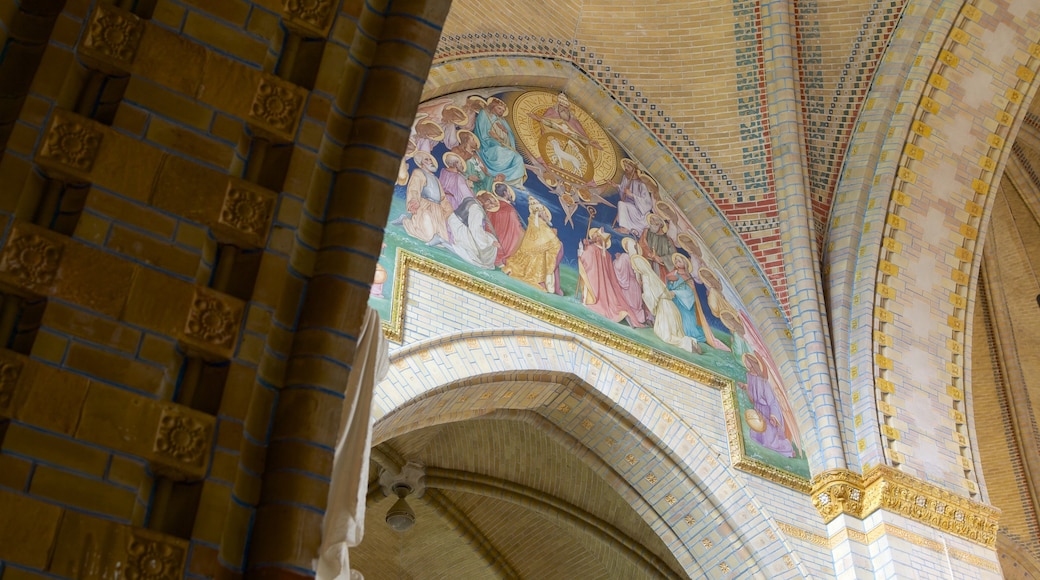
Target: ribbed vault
507,498
1005,362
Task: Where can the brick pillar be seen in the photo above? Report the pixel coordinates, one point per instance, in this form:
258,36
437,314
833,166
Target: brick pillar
377,101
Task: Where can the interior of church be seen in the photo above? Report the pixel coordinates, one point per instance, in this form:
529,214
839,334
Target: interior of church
396,289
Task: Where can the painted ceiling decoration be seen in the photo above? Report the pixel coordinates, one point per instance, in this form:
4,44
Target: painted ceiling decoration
524,192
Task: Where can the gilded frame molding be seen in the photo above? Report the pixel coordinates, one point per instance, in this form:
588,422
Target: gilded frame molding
738,456
832,492
407,263
840,491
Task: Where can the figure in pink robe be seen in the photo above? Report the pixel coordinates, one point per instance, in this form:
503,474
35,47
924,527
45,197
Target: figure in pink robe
505,221
631,289
600,290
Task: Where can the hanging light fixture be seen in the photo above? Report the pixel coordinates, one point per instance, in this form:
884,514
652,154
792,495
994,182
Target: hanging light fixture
401,516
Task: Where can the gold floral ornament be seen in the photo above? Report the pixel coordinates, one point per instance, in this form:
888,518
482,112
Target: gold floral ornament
112,36
181,437
313,15
32,259
246,211
276,104
150,559
841,491
71,143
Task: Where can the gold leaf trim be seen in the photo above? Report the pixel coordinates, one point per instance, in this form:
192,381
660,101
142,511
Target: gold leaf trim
407,262
841,491
878,532
741,461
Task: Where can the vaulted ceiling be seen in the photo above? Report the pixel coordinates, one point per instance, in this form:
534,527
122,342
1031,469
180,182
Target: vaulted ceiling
504,498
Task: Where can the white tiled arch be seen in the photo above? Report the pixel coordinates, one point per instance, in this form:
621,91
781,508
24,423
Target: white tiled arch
656,462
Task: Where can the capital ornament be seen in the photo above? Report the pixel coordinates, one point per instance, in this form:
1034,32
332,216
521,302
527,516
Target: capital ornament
153,559
245,210
113,35
313,14
841,491
181,437
71,142
276,104
31,258
211,320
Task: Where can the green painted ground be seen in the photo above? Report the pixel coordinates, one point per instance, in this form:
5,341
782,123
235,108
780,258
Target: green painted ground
718,361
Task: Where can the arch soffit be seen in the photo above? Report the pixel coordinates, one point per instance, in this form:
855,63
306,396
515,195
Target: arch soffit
452,76
896,162
653,459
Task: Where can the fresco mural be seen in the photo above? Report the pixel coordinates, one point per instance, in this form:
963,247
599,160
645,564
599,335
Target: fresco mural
523,190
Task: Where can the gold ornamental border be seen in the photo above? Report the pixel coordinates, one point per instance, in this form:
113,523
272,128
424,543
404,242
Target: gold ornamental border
840,491
738,455
408,262
833,492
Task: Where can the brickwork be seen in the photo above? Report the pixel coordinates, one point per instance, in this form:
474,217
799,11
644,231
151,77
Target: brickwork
192,196
739,181
165,177
556,376
1002,383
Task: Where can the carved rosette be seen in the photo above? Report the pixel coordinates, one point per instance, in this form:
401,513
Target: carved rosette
276,105
838,492
932,505
246,212
70,145
112,37
150,556
31,259
181,437
842,491
9,373
213,321
311,17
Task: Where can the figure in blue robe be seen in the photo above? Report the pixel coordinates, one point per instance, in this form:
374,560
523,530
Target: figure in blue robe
686,301
497,143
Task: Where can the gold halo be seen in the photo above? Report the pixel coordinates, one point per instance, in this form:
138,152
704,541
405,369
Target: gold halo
454,114
452,155
438,132
691,246
705,273
419,156
470,133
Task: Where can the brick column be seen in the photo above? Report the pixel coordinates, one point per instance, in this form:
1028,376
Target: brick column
378,97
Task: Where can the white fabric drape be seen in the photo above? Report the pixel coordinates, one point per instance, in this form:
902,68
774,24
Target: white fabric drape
345,514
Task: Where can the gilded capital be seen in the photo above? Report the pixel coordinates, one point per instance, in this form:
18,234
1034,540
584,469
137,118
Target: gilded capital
111,38
30,260
841,491
154,556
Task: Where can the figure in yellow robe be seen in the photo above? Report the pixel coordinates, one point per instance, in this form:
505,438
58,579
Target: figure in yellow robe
537,259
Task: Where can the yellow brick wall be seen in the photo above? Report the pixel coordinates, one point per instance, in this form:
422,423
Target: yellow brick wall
164,178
